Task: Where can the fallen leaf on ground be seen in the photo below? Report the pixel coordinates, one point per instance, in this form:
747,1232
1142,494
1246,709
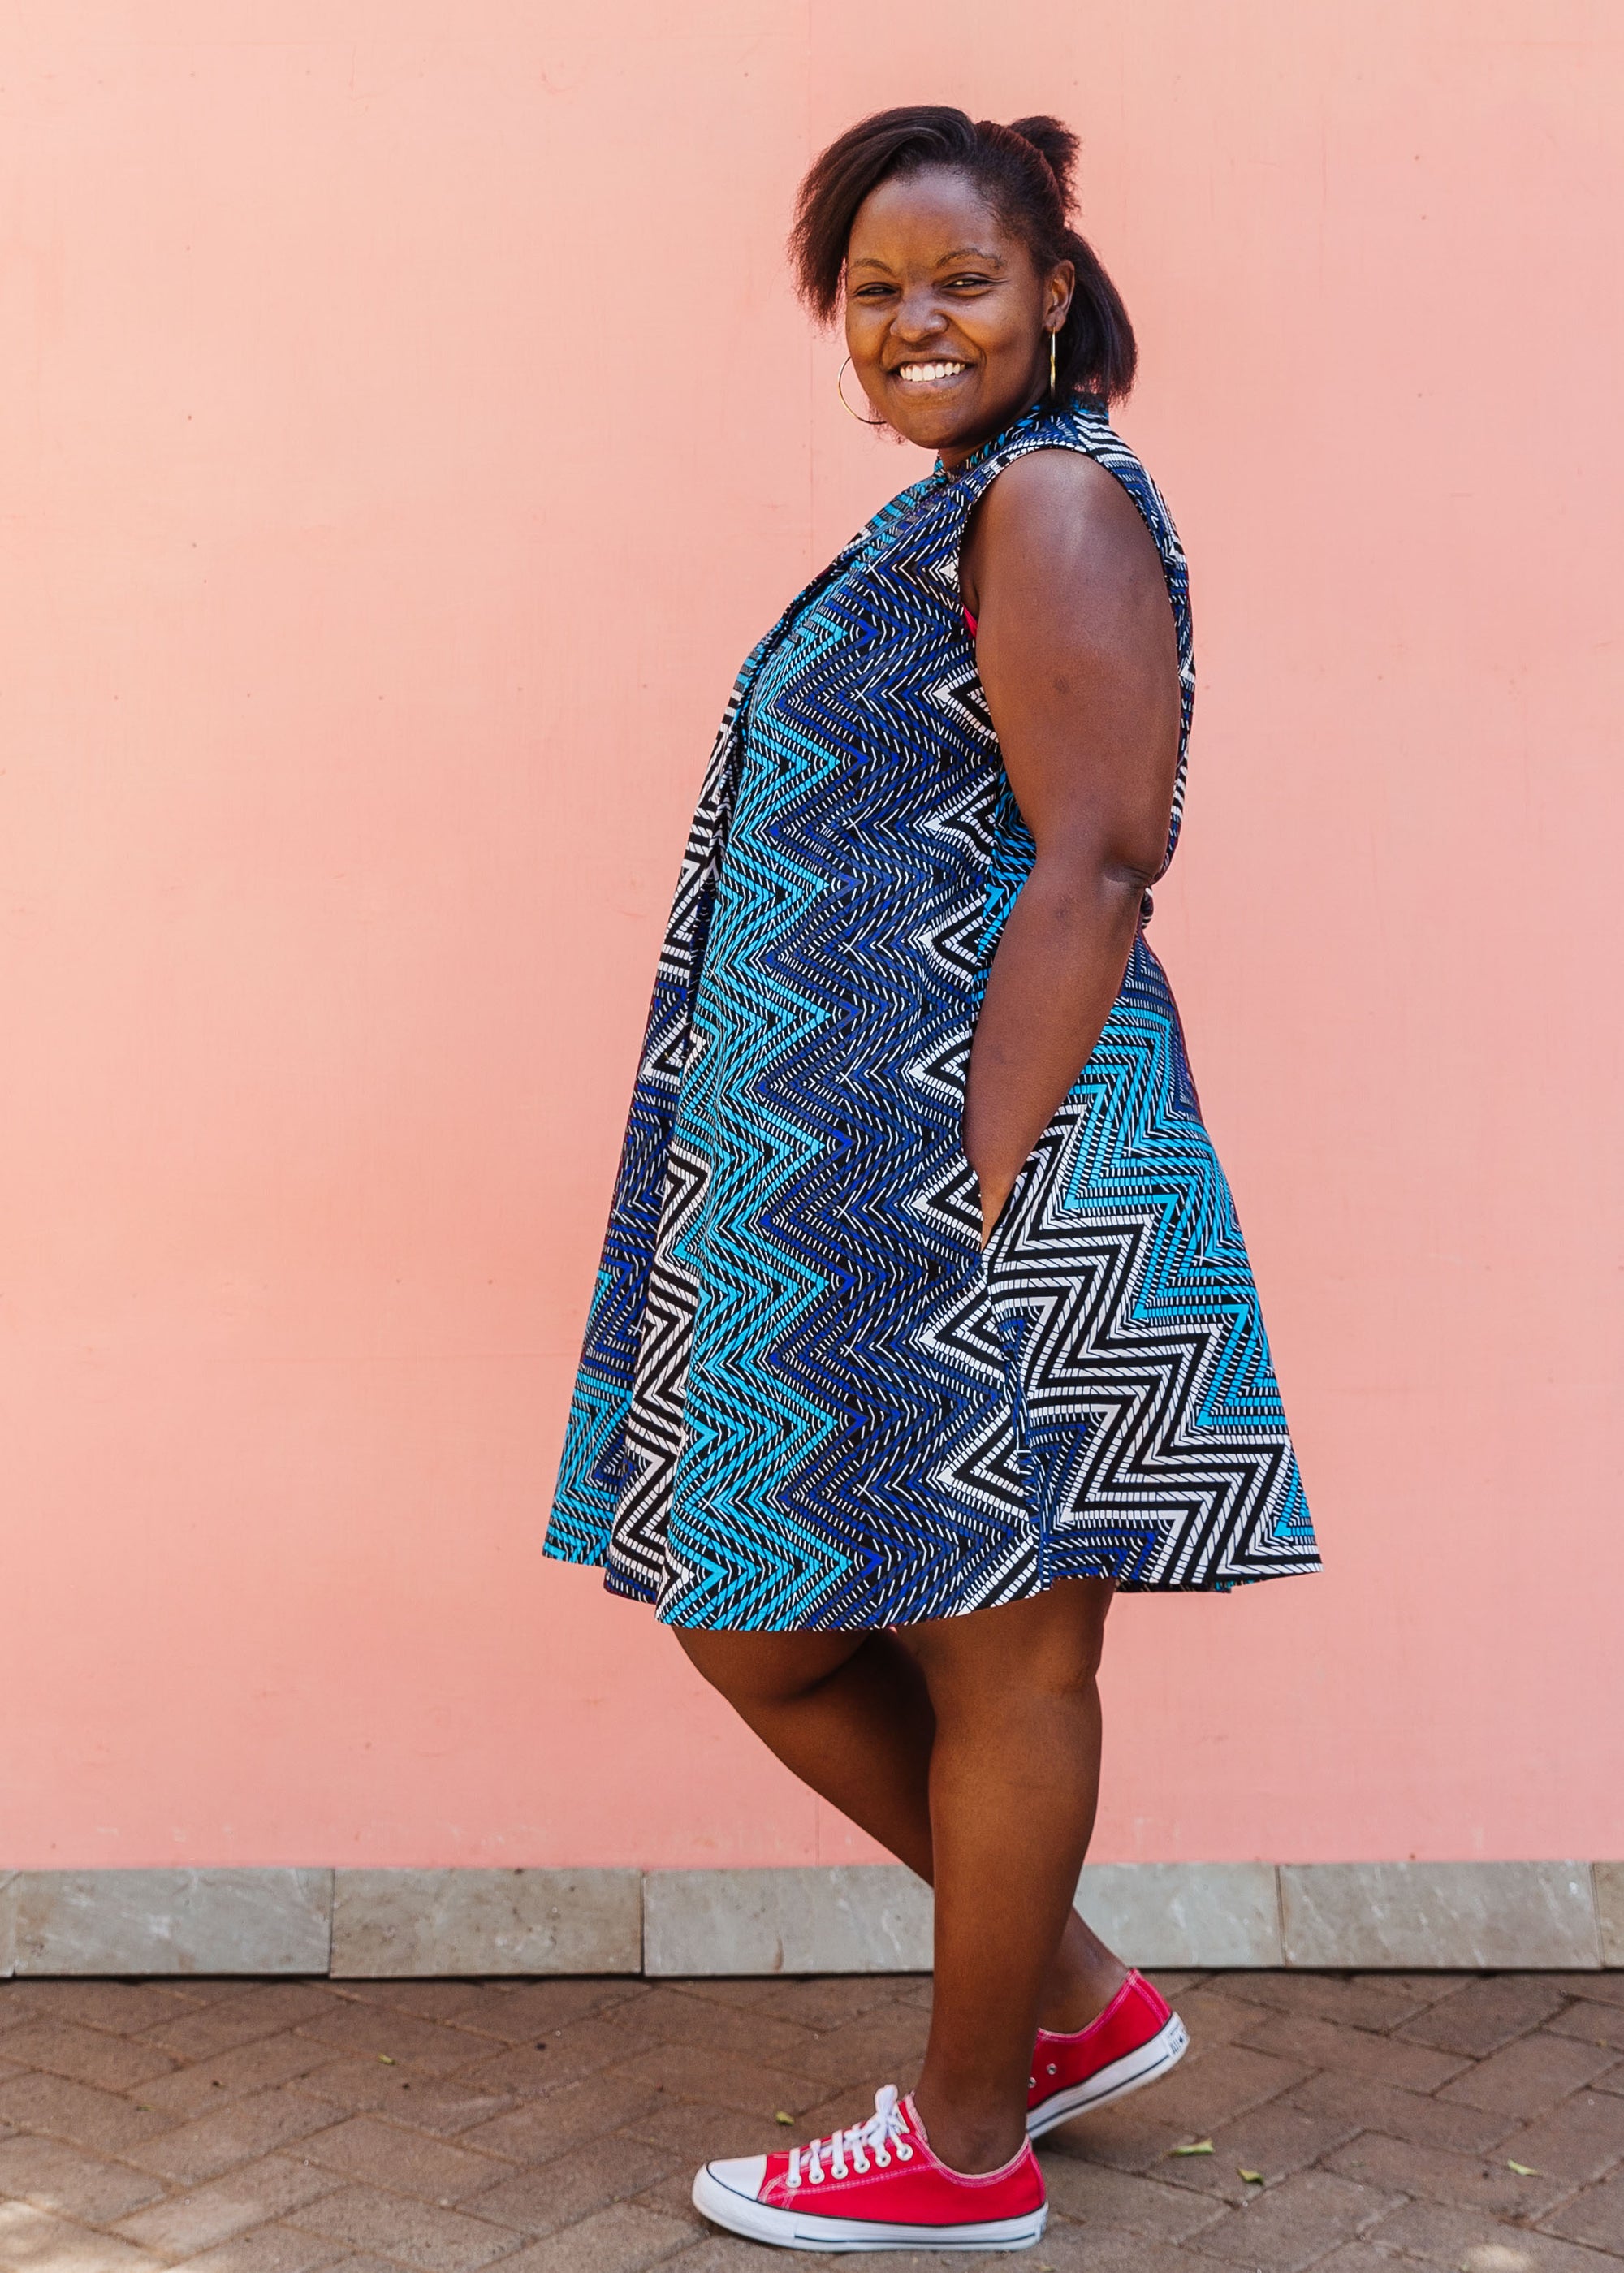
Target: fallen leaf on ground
782,2118
1252,2178
1524,2170
1202,2147
385,2060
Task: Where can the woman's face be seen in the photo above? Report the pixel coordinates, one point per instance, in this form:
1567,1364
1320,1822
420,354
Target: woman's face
947,318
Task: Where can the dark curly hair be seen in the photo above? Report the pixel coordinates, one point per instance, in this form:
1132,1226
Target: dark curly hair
1025,172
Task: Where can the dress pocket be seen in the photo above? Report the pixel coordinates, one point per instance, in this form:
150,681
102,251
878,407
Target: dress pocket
994,1240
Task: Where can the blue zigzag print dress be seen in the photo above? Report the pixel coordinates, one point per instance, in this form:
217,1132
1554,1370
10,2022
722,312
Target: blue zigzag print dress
808,1397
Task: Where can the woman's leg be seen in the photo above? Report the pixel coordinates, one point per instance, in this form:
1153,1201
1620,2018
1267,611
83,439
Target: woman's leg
852,1716
1014,1779
847,1712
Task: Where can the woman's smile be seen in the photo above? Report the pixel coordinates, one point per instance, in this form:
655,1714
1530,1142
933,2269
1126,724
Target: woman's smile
941,373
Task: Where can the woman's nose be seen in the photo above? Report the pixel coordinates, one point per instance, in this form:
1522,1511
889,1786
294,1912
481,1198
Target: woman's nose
916,319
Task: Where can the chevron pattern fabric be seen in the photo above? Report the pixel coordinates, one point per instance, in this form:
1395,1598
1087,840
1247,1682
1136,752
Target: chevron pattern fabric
808,1398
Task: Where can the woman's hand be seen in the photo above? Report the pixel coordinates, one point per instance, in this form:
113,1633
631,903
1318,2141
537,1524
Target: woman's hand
1078,656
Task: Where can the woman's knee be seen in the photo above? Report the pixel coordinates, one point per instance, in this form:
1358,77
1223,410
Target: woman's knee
1051,1646
760,1671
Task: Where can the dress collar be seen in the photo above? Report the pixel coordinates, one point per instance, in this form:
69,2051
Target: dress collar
1041,413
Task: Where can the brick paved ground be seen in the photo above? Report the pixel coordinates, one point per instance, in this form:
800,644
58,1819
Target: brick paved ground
552,2126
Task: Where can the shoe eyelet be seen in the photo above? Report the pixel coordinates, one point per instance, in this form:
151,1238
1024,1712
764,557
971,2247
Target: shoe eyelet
794,2180
816,2177
1052,2067
904,2152
882,2159
861,2168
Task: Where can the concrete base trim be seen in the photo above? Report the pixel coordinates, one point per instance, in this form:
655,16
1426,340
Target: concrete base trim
862,1918
1468,1915
395,1924
834,1918
151,1922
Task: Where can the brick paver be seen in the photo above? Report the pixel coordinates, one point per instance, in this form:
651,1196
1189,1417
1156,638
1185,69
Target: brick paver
1592,2022
1597,2216
552,2126
62,2179
1470,2181
1485,2014
1535,2073
1296,2223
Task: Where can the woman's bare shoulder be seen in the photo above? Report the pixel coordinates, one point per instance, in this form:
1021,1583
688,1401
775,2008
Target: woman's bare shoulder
1066,491
1059,511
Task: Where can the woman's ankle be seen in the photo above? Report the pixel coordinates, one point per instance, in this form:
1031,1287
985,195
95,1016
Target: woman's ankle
1083,1980
970,2138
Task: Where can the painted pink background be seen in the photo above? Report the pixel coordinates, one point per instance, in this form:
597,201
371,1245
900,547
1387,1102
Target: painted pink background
409,427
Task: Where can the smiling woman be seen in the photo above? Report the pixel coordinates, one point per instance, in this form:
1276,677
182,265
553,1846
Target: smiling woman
940,338
899,165
924,1322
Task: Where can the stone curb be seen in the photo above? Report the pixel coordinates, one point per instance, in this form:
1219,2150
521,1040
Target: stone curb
1539,1916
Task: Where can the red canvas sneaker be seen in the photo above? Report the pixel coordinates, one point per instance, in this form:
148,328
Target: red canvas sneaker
1136,2038
875,2186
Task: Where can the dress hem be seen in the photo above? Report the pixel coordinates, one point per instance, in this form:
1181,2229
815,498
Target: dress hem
1223,1585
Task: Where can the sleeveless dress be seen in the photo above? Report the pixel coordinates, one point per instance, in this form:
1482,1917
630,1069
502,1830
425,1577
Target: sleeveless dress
808,1397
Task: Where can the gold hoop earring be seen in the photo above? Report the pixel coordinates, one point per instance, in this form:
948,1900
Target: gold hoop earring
1051,340
841,391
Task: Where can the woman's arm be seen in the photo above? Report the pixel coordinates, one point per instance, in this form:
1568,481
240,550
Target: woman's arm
1077,654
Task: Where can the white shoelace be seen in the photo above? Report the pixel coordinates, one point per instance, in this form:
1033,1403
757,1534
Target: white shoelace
886,2125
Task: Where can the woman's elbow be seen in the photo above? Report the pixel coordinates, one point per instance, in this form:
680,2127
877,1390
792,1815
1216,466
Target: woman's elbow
1099,874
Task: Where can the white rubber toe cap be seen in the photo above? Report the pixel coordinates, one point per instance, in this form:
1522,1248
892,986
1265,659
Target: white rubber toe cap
742,2176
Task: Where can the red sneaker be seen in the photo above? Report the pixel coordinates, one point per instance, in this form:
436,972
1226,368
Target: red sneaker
876,2185
1136,2038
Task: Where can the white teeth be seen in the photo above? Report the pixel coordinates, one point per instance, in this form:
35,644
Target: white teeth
920,374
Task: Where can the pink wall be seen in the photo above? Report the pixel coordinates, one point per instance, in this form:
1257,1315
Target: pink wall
409,427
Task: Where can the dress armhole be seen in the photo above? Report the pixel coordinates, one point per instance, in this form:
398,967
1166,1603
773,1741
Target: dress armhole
1141,507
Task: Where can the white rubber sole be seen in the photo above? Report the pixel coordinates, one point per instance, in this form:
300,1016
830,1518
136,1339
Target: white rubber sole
1131,2073
790,2229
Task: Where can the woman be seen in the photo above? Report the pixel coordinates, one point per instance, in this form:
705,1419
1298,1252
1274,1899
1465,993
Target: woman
925,1323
